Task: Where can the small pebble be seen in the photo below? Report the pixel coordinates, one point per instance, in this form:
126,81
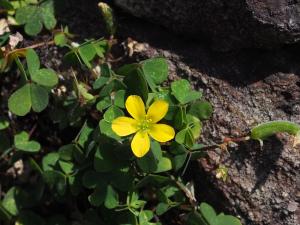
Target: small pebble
292,206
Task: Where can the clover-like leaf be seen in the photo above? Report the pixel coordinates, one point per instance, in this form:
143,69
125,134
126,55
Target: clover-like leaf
34,16
45,77
156,68
47,14
33,61
112,113
30,95
39,98
22,143
20,101
201,109
4,123
182,91
112,198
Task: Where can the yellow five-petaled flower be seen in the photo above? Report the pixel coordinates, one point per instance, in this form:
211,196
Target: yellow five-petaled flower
143,124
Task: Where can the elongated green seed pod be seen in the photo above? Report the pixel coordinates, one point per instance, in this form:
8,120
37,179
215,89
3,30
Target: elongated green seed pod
268,129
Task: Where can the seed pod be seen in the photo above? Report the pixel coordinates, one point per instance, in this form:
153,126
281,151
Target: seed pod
268,129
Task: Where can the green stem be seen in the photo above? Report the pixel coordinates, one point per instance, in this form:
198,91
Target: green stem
6,152
21,68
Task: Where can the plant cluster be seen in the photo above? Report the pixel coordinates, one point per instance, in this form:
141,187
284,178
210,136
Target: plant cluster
132,134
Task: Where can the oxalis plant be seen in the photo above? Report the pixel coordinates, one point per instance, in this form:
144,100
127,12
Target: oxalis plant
112,149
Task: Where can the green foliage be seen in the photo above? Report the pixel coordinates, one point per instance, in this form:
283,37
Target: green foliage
22,143
207,216
182,91
33,95
77,170
86,52
35,16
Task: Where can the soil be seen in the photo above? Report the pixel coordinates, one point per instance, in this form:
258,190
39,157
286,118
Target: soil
245,87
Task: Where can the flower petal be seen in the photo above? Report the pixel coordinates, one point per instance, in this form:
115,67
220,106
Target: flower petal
157,110
124,126
140,144
135,106
162,132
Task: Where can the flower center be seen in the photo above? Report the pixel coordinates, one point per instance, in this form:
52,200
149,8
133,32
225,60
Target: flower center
145,124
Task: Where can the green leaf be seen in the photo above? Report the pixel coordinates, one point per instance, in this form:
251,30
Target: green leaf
112,113
34,16
85,135
39,98
6,5
185,137
104,160
22,143
127,69
136,84
49,161
33,26
98,196
33,61
227,219
112,198
60,39
156,68
178,161
194,125
66,167
114,85
4,123
120,99
164,164
194,218
57,180
47,14
103,104
24,14
145,216
10,203
105,128
29,218
30,95
66,152
20,101
180,120
208,213
100,82
201,109
149,162
122,180
87,52
45,77
182,91
92,179
161,208
133,200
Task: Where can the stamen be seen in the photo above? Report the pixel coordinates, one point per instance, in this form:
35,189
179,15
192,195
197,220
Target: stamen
145,124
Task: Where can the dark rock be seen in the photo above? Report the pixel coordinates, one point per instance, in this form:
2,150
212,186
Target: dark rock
229,25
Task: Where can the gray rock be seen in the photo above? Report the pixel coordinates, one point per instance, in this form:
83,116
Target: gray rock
229,25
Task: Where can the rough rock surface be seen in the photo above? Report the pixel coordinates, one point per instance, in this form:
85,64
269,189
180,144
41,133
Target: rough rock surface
228,24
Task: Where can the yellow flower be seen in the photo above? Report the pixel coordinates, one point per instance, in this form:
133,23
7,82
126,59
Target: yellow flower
143,124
